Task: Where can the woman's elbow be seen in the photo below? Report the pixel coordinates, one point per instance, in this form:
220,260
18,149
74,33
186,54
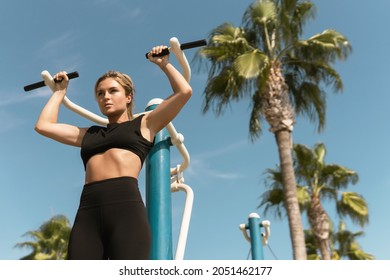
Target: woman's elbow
187,92
40,128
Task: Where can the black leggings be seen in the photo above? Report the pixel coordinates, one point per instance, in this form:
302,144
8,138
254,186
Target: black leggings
111,222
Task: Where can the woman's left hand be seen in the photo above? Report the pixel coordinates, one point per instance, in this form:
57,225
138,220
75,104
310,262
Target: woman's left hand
159,60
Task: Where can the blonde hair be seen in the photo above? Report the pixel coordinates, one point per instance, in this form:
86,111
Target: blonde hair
125,81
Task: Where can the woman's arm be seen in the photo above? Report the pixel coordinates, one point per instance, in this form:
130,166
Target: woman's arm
170,107
47,123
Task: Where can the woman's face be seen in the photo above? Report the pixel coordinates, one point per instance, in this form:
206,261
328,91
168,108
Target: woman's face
111,98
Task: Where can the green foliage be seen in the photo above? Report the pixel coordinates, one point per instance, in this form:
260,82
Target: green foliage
271,33
314,176
50,241
345,246
327,181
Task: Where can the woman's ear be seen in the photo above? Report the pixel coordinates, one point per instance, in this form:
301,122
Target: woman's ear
129,99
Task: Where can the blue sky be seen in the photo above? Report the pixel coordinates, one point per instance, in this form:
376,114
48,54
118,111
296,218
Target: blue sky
41,178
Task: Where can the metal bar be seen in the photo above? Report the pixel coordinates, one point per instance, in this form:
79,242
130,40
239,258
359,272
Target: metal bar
158,196
40,84
184,46
255,237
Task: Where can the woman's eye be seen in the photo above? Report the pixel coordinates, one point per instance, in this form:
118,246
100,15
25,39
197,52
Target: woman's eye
100,93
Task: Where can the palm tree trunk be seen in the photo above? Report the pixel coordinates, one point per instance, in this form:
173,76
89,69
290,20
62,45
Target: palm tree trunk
280,116
319,223
283,140
324,249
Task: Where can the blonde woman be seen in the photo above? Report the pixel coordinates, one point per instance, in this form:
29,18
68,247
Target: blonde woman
111,221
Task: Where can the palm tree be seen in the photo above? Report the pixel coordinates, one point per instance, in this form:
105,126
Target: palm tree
311,246
347,245
283,75
318,182
343,245
50,240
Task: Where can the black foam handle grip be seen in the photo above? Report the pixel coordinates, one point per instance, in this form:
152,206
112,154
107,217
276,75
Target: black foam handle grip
193,44
184,46
71,75
162,53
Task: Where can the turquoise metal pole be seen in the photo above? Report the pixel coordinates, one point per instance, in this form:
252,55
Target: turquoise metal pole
158,195
254,225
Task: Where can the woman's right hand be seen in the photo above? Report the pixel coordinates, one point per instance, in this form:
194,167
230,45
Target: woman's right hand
47,123
61,81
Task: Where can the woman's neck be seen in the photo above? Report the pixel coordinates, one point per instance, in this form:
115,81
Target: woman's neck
118,119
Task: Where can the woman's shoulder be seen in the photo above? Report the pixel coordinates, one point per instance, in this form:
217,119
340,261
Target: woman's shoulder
94,129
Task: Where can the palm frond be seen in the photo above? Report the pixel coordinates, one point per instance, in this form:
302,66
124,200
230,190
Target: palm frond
347,246
320,152
272,201
303,154
225,43
311,247
328,193
293,16
223,88
258,103
314,71
250,64
304,163
305,80
303,197
326,46
49,241
259,18
260,12
309,101
338,176
353,205
356,253
225,83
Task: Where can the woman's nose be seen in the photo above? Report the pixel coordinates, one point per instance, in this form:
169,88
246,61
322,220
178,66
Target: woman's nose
106,95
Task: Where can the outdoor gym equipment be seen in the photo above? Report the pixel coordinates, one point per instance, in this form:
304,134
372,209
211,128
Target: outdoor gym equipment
257,238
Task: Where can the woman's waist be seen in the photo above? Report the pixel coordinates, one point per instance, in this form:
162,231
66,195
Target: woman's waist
104,167
111,190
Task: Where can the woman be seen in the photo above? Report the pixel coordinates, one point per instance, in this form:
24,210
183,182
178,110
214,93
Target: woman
111,221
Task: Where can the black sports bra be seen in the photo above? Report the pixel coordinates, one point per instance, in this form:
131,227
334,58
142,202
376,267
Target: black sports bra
126,135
